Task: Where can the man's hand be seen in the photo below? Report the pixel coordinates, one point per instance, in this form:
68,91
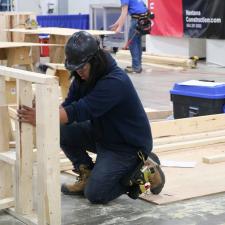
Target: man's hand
62,115
118,25
27,115
115,27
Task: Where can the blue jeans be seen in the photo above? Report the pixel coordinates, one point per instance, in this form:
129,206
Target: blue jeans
135,46
110,167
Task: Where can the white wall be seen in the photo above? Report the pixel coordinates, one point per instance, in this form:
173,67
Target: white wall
178,47
74,6
28,6
82,6
36,6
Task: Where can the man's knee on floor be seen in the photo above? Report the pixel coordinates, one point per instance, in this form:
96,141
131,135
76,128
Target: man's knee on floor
96,195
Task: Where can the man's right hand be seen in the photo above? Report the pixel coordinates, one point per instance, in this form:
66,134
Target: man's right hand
115,27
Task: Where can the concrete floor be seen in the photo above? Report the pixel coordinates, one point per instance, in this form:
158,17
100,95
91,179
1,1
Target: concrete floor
153,88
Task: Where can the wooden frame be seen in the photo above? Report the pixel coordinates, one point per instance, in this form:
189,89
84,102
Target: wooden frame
17,173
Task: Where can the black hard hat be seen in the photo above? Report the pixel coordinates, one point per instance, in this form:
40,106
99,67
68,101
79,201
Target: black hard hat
80,48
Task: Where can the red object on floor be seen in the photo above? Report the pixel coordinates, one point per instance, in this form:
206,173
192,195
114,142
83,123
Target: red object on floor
44,50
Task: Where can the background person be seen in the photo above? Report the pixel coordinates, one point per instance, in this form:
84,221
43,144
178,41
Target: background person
136,9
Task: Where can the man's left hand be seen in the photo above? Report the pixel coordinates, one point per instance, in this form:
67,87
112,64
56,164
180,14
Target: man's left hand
27,115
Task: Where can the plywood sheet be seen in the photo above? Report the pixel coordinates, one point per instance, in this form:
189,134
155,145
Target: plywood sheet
185,183
5,44
59,31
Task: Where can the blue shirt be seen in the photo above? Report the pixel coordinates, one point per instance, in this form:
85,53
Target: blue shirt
135,6
115,110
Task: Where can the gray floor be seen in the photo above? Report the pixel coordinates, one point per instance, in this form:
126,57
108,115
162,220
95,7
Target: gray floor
153,88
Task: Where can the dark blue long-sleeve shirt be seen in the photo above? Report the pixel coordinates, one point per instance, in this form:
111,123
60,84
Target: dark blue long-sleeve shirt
115,110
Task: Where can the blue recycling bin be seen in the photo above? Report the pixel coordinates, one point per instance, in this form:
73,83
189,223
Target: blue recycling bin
197,98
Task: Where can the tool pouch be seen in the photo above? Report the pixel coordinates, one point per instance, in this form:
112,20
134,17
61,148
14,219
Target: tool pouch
136,176
144,24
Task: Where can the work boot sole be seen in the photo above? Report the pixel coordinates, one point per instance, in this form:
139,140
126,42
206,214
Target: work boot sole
66,191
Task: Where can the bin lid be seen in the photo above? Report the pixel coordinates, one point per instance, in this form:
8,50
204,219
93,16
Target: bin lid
201,89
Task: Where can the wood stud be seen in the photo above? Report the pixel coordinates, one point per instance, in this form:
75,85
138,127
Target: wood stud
48,178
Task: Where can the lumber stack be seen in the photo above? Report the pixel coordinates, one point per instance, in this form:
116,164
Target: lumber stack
10,20
188,132
163,61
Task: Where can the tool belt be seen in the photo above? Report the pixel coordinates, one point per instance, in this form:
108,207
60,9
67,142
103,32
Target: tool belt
137,16
143,23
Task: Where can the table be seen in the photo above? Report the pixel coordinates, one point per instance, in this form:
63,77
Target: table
57,36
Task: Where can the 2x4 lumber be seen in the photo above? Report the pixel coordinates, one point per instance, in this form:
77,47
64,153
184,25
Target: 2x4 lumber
65,164
24,153
12,113
164,67
160,66
172,61
11,91
6,203
48,173
189,137
56,66
147,58
6,44
27,75
34,38
188,144
4,24
64,80
6,185
56,54
188,126
3,101
59,31
157,114
19,21
214,159
8,157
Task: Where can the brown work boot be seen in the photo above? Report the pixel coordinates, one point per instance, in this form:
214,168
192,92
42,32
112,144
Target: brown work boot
78,187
